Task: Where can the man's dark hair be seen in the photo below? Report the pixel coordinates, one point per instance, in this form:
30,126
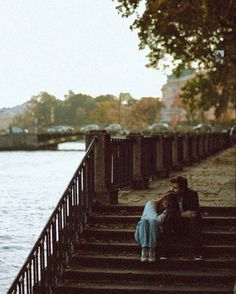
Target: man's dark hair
181,181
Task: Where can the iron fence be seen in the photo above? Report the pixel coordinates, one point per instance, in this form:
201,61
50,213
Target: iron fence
47,260
148,153
121,161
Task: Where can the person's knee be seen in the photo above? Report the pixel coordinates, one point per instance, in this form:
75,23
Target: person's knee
153,222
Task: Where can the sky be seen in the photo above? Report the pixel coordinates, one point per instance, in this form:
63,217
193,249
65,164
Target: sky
79,45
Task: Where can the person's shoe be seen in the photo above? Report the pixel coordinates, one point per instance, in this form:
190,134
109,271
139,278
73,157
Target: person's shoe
152,255
144,254
163,257
197,257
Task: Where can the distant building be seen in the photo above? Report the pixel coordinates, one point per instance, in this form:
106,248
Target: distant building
174,110
125,98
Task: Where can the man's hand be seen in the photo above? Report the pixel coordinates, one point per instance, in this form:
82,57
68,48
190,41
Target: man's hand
189,214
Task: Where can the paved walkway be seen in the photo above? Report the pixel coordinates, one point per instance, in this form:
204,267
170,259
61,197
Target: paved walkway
214,178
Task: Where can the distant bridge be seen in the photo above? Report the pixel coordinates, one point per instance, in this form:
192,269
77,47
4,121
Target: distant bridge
47,140
25,141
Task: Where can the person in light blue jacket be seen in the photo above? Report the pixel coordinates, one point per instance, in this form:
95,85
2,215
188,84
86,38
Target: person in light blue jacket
148,228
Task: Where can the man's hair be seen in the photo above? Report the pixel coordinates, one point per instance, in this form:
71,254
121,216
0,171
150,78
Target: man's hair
181,181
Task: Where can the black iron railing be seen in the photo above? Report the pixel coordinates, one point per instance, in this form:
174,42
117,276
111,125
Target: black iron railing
50,254
148,161
121,160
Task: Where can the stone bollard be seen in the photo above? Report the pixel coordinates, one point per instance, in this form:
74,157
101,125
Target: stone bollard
139,181
102,168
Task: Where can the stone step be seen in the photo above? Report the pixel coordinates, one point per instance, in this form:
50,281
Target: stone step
137,210
119,287
222,237
107,259
132,226
162,276
129,248
132,261
131,219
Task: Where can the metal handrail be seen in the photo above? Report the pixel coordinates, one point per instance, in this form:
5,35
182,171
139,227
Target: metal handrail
47,260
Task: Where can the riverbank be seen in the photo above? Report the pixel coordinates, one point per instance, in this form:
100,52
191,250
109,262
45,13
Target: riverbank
213,178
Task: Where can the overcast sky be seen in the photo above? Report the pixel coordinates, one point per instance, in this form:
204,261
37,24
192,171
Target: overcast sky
62,45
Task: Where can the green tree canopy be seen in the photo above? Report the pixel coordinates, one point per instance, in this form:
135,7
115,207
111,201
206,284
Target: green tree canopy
189,31
44,106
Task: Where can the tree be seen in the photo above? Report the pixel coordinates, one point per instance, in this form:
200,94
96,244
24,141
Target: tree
144,112
44,107
197,96
189,31
77,108
24,120
105,112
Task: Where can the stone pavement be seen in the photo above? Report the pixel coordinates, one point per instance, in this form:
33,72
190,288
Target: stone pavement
214,178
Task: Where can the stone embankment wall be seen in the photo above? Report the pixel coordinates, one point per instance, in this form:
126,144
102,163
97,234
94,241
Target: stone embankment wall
18,141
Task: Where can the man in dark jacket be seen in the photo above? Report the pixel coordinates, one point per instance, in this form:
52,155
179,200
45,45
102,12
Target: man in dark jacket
186,222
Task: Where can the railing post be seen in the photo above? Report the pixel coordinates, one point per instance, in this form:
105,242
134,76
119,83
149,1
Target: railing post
195,157
201,146
102,166
176,165
139,181
207,144
186,159
167,154
161,171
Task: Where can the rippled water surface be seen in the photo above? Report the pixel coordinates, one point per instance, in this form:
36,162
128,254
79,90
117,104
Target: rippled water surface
31,184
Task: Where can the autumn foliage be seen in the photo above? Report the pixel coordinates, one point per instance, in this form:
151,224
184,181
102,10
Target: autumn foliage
78,110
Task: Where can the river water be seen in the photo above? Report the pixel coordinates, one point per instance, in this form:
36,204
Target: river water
31,184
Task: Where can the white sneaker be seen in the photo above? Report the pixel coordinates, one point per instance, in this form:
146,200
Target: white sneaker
152,255
144,254
163,258
197,257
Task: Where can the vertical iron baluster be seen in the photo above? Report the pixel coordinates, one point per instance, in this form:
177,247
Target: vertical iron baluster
27,280
34,270
20,287
70,215
65,228
37,265
30,278
23,283
54,250
48,256
42,262
74,193
60,247
84,192
86,186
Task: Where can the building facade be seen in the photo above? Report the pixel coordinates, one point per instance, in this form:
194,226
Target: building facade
174,110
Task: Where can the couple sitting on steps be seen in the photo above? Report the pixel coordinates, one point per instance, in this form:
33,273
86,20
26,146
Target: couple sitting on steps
175,214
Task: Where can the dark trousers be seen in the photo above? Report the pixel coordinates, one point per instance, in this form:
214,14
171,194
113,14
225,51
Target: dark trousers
177,229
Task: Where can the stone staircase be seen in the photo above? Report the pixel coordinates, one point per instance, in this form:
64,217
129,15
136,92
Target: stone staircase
107,259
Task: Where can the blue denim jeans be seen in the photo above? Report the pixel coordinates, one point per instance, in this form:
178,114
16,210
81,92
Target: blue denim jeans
147,232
